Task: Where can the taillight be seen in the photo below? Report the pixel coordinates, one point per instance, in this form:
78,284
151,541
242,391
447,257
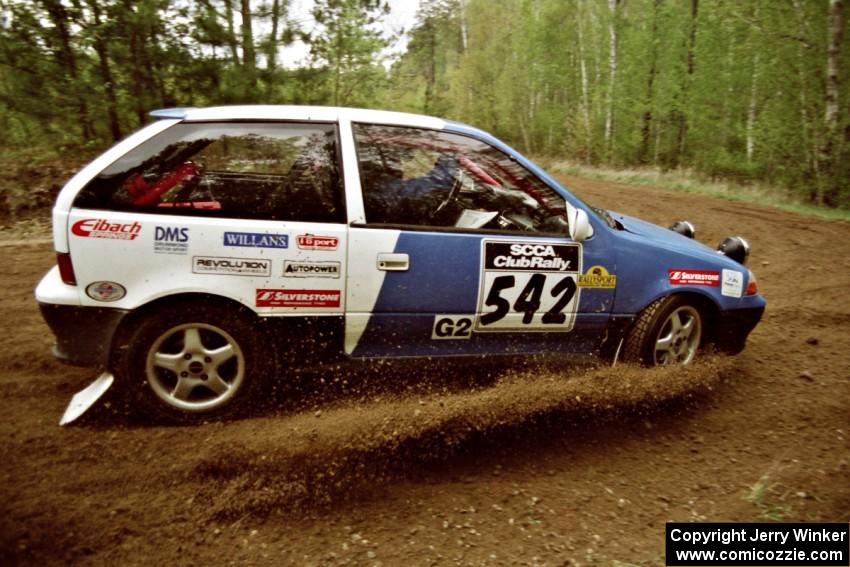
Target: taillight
66,268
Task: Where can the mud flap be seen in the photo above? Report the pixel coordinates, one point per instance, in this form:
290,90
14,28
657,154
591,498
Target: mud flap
86,398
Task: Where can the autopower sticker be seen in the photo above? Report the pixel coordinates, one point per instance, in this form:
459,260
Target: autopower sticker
231,266
694,277
311,269
323,298
597,277
528,286
732,284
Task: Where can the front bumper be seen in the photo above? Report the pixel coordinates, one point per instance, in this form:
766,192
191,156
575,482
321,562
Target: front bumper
734,326
83,334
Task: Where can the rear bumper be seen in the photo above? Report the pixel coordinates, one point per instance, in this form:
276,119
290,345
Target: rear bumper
734,326
83,334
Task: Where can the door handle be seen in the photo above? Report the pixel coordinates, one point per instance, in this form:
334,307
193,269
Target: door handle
393,262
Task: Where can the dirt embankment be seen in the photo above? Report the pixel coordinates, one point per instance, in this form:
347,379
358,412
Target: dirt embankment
414,464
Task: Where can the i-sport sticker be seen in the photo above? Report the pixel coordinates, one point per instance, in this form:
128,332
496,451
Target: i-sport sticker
528,286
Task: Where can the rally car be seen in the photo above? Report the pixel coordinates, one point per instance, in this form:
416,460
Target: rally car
220,247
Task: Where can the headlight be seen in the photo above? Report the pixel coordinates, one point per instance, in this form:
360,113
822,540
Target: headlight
752,284
736,248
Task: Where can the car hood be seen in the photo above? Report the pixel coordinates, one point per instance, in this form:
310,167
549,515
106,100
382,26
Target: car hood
666,238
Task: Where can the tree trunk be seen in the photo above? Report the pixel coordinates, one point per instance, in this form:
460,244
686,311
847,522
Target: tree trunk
271,51
646,128
100,48
829,151
431,74
683,111
67,59
585,95
231,31
612,79
249,57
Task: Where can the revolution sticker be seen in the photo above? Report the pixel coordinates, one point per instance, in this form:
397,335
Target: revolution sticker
311,269
528,286
298,298
231,266
707,278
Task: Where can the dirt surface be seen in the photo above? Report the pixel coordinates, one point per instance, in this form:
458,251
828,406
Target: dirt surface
412,464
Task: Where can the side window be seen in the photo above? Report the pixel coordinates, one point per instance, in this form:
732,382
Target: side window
419,177
275,171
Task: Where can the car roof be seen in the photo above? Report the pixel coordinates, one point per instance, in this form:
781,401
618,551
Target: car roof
293,112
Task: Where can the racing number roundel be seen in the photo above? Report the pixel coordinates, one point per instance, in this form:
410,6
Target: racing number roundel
528,286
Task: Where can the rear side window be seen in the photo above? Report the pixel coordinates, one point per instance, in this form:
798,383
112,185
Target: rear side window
275,171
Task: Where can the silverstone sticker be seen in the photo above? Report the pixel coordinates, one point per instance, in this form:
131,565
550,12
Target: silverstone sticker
231,266
732,284
102,228
707,278
597,277
106,291
298,298
256,240
311,269
528,286
313,242
171,240
452,327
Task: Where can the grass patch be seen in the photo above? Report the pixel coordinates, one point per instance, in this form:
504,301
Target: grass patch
691,182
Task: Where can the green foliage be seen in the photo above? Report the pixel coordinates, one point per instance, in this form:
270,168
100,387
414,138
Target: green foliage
735,91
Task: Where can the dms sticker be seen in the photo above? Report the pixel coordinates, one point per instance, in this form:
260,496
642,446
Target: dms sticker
733,283
597,276
313,242
694,277
106,291
311,269
102,228
298,298
170,240
256,240
231,266
528,286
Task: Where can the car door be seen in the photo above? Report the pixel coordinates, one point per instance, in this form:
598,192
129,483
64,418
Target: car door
464,251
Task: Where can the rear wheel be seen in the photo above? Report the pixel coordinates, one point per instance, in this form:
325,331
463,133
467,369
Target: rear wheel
669,331
193,363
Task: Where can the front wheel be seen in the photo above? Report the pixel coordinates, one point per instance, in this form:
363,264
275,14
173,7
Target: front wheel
192,363
667,332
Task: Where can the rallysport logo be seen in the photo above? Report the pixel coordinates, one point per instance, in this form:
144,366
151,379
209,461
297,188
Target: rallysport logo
298,298
694,277
102,228
313,242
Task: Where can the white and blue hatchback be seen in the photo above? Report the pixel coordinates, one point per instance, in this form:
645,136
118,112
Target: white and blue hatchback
218,247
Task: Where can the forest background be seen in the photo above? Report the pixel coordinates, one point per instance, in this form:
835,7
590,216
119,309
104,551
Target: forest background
741,91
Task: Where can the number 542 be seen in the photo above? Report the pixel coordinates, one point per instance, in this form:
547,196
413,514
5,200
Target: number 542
517,299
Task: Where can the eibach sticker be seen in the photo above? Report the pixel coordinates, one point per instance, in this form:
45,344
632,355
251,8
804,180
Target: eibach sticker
298,298
102,228
313,242
708,278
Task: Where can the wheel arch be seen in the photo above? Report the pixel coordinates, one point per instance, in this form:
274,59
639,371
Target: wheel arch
705,304
120,338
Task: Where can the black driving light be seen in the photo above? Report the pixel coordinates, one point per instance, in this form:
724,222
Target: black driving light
684,228
736,248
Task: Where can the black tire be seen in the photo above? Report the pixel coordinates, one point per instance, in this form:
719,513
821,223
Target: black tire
192,362
668,331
